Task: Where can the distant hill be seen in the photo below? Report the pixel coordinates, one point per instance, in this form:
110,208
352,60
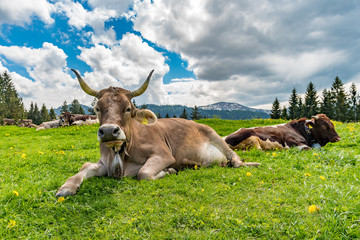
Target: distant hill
222,110
226,106
86,109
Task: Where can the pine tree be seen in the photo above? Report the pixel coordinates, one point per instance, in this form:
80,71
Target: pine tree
300,112
195,113
52,114
311,107
75,107
353,103
284,113
30,114
36,118
293,105
44,114
275,110
167,115
91,110
64,107
11,105
326,105
184,114
340,100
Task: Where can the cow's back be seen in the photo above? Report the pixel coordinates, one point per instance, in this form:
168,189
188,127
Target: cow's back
190,143
269,137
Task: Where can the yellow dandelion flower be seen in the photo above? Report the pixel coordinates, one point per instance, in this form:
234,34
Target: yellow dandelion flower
307,174
336,172
7,134
248,174
72,146
41,153
23,156
202,190
16,193
315,154
11,148
322,177
195,167
240,178
274,154
11,224
61,199
313,208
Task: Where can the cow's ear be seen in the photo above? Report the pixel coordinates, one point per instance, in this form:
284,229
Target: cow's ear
310,123
145,116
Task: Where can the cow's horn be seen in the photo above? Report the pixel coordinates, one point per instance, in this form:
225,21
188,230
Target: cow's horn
84,86
315,117
142,89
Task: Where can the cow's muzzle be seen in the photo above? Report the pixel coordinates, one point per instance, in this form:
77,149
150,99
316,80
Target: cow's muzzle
112,135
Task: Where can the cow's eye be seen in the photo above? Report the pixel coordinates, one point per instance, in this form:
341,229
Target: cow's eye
97,109
128,109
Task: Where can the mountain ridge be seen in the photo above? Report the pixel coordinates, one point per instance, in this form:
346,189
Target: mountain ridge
223,110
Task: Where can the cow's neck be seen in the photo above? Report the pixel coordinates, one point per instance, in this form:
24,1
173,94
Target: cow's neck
309,136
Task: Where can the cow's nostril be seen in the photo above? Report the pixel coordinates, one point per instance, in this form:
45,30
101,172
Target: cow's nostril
116,132
101,133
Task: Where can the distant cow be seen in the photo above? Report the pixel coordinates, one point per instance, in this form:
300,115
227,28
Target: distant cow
51,124
302,133
25,123
71,118
87,122
133,142
8,121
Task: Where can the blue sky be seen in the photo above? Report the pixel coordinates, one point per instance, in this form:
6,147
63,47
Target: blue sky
203,52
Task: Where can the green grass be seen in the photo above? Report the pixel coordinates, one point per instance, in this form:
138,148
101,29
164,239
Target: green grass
207,203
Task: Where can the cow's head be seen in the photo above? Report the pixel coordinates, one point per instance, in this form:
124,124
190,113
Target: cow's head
323,129
116,112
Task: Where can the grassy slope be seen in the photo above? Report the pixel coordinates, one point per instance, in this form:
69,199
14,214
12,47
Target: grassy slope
212,202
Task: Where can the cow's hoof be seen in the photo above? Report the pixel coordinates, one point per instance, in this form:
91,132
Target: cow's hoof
170,171
65,192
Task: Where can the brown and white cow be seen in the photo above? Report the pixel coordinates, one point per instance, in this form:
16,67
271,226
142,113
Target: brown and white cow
9,121
303,133
70,118
134,143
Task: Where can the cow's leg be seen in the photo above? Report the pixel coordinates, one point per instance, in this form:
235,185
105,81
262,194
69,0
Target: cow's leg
156,167
230,155
73,183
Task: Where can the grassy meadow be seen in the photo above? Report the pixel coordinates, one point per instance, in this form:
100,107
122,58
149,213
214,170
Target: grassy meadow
294,194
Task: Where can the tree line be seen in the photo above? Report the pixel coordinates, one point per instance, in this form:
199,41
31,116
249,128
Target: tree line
336,103
11,105
194,115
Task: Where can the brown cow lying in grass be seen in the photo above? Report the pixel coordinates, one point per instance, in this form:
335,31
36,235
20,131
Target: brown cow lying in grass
303,133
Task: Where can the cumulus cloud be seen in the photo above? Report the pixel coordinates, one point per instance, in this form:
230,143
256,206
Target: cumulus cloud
288,43
50,83
21,12
126,64
79,18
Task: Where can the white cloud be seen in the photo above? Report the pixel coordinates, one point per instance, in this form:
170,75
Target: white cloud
119,6
21,12
79,18
49,83
126,65
278,43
